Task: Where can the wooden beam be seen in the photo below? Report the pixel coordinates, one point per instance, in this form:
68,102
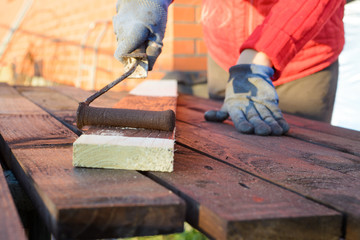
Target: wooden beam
132,149
95,203
10,225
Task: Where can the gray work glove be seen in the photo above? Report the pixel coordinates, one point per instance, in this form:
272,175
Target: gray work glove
251,101
140,22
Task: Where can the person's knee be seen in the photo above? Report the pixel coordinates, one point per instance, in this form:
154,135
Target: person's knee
216,92
217,78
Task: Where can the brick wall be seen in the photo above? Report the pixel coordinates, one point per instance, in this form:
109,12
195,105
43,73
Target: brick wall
57,41
189,48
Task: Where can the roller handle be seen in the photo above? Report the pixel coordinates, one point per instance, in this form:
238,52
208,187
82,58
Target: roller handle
93,116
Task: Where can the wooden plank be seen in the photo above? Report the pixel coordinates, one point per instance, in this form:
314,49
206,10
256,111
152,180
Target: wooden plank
95,203
58,105
34,129
323,127
342,144
60,98
227,203
62,101
11,102
33,224
316,132
10,225
48,98
145,151
113,150
320,173
24,123
117,203
109,99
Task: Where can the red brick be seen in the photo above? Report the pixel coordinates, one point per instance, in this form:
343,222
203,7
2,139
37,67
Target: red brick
186,14
189,2
155,75
190,63
54,37
187,30
8,12
198,14
167,47
127,85
184,47
164,62
200,47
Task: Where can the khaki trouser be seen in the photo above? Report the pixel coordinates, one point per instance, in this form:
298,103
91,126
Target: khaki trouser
311,97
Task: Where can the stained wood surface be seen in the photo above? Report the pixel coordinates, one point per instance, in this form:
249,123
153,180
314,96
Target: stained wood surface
62,101
236,184
95,203
320,173
228,203
108,99
323,127
340,143
10,225
316,132
79,203
11,102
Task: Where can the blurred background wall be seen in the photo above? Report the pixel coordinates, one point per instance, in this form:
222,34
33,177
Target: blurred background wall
72,42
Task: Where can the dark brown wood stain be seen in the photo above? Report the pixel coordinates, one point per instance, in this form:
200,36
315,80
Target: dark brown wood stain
235,186
10,225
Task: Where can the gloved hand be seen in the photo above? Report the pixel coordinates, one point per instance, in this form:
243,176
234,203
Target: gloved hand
139,22
251,101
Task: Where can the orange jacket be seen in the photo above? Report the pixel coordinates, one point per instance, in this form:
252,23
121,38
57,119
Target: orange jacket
301,37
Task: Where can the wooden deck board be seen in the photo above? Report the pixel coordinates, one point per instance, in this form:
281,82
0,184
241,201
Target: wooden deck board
340,143
10,224
61,98
11,102
315,132
228,203
79,95
323,127
94,203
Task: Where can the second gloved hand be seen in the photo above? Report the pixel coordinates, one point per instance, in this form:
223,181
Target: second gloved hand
140,22
251,101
